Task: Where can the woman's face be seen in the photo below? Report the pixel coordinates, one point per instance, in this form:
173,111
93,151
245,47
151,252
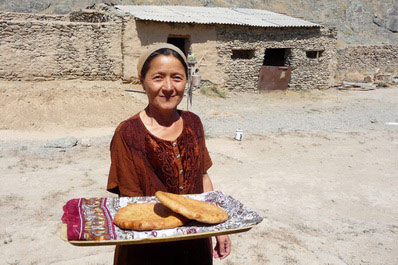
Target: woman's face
164,82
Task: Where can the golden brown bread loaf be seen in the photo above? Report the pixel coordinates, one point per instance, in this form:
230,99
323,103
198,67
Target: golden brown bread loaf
147,216
192,209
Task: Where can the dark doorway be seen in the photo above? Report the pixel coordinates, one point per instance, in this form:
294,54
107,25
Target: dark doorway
276,57
180,42
275,72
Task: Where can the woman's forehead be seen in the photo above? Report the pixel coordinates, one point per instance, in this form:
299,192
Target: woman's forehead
165,61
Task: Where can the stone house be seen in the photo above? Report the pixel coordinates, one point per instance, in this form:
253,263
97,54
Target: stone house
239,49
233,45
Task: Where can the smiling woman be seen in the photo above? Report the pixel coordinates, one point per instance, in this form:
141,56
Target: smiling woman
162,148
163,77
164,82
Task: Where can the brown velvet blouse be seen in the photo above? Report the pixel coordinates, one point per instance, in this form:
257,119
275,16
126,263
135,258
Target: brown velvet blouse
142,164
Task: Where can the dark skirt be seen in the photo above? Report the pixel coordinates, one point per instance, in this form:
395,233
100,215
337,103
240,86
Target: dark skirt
186,252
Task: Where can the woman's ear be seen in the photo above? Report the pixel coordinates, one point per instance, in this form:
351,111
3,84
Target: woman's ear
142,83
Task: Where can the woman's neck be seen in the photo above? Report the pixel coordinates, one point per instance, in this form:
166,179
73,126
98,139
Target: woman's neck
162,118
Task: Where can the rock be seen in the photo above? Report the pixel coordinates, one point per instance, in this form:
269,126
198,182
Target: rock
393,11
86,142
392,24
394,79
65,142
379,22
7,240
390,21
357,16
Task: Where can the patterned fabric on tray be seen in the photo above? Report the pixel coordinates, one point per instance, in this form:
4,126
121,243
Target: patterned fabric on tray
91,219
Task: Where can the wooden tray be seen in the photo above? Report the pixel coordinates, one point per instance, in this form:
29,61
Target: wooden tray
152,239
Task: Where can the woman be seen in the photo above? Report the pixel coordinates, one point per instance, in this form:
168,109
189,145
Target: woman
163,148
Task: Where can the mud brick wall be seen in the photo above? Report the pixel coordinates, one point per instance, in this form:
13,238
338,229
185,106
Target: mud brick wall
368,59
34,48
308,73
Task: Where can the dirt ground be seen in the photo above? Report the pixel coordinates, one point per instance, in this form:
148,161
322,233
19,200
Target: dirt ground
328,193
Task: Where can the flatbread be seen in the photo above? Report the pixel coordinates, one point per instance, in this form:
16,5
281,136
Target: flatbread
147,216
192,209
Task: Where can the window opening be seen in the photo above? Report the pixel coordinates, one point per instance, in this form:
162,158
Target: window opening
242,54
276,57
314,54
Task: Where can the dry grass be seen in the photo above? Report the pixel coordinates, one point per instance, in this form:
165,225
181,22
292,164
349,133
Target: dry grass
210,89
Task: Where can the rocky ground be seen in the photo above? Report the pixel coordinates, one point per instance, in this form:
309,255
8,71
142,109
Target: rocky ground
320,166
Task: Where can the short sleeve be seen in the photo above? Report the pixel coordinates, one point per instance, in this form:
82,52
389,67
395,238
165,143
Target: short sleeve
207,163
123,178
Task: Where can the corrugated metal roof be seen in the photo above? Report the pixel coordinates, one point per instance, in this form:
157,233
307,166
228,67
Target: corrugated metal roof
214,15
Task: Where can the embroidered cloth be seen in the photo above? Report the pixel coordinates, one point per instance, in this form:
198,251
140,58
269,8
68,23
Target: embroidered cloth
91,219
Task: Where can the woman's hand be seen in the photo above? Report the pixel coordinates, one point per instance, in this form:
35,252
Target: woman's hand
223,247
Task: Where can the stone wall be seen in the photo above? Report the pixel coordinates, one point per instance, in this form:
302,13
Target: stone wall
243,74
368,59
35,48
8,16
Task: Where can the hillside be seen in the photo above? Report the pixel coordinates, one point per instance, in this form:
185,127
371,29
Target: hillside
358,21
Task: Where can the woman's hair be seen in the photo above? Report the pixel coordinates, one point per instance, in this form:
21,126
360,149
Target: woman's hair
165,52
